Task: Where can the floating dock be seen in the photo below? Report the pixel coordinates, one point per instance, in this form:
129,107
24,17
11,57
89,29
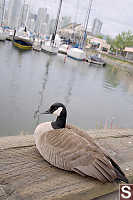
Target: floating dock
25,175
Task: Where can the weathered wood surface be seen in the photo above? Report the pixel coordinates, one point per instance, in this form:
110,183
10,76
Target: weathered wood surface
24,175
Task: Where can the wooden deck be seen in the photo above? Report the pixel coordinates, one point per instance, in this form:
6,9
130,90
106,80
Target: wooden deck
24,175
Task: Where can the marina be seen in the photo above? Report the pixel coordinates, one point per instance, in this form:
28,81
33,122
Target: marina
66,105
96,97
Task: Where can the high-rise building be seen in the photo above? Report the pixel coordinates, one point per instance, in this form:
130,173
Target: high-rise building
14,7
31,26
43,28
51,26
24,15
1,11
5,18
31,21
47,18
96,28
41,18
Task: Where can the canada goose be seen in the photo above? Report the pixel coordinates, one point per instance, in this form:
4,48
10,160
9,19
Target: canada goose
69,148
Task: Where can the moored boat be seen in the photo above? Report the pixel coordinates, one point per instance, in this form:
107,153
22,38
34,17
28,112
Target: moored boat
64,48
76,54
2,35
79,53
37,44
22,43
49,48
10,34
22,40
52,46
96,59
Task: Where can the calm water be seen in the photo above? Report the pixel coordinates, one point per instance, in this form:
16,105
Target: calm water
30,80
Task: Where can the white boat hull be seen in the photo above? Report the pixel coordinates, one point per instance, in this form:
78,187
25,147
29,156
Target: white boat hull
23,38
9,37
76,54
53,50
37,45
36,48
63,49
2,36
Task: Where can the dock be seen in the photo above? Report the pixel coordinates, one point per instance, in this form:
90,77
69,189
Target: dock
25,175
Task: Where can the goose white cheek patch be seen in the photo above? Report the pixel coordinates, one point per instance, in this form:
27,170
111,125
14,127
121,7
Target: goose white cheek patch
58,111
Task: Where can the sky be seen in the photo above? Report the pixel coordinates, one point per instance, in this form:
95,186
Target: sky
116,15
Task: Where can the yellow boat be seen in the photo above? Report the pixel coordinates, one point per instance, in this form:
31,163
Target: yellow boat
22,42
22,46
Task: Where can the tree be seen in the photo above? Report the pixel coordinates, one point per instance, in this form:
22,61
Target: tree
109,40
100,36
124,39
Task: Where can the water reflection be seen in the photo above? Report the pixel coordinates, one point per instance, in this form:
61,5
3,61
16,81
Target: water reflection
70,86
42,92
111,78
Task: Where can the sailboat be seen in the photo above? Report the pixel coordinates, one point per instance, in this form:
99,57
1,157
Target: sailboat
37,44
10,33
2,32
21,38
79,53
76,54
52,46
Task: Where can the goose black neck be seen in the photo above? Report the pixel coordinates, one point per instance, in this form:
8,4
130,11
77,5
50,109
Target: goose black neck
60,121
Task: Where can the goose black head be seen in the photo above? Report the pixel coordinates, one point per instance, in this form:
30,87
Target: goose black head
59,110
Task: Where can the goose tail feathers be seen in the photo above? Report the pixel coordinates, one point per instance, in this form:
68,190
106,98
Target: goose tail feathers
120,175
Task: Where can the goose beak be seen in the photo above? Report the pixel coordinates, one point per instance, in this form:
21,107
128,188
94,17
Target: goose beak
46,112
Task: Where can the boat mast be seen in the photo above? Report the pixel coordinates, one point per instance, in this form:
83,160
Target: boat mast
22,15
86,25
57,19
28,11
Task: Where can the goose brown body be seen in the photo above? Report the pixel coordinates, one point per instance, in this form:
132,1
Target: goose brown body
72,149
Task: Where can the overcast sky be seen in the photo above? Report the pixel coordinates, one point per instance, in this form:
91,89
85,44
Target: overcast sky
116,15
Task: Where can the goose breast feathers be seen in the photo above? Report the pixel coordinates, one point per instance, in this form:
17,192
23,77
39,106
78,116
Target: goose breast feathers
73,149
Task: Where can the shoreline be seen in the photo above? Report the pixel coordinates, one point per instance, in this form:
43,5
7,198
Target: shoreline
116,62
119,64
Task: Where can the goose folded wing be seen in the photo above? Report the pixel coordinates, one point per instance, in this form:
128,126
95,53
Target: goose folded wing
69,151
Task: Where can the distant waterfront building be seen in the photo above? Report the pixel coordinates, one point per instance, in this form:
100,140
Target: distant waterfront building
96,28
65,21
129,52
24,15
14,8
73,31
94,42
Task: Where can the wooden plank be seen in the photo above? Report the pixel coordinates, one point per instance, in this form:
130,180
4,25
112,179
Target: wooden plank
25,175
16,141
